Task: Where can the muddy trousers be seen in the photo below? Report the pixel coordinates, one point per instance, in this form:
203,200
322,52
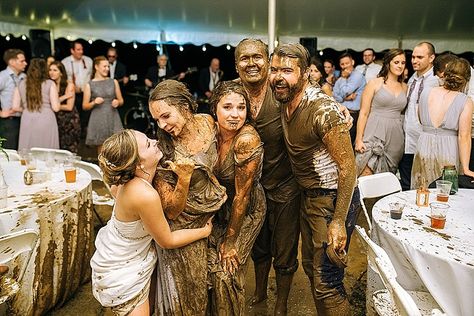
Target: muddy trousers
327,279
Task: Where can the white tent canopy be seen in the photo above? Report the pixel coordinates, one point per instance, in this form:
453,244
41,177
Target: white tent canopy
338,24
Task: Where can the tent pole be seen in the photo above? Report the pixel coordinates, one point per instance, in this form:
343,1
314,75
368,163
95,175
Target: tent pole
51,40
271,25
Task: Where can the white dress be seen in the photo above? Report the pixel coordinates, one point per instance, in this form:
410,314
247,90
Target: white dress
123,262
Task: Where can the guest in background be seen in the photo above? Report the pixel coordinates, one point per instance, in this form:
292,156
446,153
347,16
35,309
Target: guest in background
318,75
160,72
209,77
445,114
102,95
49,61
369,69
348,89
331,72
79,69
117,69
68,120
10,78
422,61
380,139
240,219
37,96
123,264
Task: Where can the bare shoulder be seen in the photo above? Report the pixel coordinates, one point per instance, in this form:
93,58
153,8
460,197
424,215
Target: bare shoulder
247,140
138,192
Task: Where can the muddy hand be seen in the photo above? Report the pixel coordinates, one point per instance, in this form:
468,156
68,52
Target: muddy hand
182,167
229,259
337,236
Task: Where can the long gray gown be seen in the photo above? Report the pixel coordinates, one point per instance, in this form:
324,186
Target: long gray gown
227,291
437,147
383,135
182,287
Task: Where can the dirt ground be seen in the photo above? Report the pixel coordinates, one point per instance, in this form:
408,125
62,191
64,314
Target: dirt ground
300,301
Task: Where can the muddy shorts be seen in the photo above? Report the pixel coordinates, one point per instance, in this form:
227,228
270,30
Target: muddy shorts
128,307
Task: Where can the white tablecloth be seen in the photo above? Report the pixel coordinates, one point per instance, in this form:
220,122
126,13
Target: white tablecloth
62,215
438,260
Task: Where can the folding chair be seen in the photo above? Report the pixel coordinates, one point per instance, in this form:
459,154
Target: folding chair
96,174
395,300
376,185
12,245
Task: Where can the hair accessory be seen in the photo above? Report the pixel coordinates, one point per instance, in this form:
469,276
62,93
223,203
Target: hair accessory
108,163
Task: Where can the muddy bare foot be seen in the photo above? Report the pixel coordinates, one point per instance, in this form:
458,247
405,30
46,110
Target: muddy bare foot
256,299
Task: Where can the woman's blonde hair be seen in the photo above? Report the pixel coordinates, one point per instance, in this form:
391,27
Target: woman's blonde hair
119,157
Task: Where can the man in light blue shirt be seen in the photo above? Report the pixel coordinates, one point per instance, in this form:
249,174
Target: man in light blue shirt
348,89
10,78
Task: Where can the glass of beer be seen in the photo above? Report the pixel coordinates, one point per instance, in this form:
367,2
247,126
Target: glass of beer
70,170
438,214
443,188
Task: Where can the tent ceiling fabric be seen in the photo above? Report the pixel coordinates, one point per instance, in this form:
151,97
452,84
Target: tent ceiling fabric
338,24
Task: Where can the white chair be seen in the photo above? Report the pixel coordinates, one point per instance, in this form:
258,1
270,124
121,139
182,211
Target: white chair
395,300
12,155
12,245
96,174
376,185
43,152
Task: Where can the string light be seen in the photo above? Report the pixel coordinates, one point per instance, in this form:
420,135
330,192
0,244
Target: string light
181,48
135,46
113,44
228,47
23,37
321,53
204,48
90,41
7,37
158,48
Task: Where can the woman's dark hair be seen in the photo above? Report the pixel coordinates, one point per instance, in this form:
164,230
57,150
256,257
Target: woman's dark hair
319,65
175,94
224,88
62,78
35,76
457,74
387,58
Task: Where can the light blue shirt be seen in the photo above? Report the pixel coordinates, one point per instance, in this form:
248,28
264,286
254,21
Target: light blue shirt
345,86
8,81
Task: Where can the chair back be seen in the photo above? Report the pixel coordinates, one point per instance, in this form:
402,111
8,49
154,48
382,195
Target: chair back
12,155
380,262
43,152
14,244
376,185
94,171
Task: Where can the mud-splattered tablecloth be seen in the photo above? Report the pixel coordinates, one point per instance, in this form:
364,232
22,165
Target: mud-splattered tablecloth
438,260
62,215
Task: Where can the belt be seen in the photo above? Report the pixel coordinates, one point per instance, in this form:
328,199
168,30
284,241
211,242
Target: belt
319,192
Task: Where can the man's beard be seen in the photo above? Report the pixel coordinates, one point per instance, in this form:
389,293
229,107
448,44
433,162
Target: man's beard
291,90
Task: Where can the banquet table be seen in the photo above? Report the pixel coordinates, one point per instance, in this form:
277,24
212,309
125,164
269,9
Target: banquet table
61,213
440,261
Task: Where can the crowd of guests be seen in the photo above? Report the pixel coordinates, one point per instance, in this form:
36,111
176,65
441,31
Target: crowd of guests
277,158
